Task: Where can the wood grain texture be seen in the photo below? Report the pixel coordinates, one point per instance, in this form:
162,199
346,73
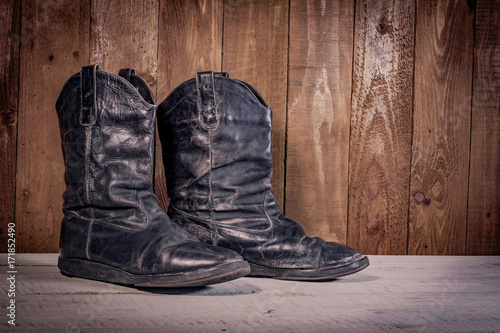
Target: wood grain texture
441,127
9,91
255,51
381,126
319,108
54,45
190,40
483,229
124,34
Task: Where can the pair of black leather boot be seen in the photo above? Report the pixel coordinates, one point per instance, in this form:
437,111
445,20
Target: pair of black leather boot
223,221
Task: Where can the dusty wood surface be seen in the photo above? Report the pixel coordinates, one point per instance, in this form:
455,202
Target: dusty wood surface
319,108
483,230
190,40
381,126
46,64
9,93
396,293
441,127
124,34
255,51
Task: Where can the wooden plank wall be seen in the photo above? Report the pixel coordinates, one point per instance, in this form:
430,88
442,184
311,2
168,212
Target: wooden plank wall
319,107
483,229
9,92
381,122
386,113
441,123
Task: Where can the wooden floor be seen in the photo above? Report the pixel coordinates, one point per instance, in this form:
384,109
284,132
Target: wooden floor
396,293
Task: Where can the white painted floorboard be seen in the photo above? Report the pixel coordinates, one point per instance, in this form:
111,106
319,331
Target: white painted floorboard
394,294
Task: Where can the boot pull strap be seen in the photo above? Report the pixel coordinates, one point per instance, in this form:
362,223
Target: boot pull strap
126,72
88,86
206,102
138,83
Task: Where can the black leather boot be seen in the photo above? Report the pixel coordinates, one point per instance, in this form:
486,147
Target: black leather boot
216,140
113,229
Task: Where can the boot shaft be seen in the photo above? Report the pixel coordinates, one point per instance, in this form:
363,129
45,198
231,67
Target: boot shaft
216,140
107,141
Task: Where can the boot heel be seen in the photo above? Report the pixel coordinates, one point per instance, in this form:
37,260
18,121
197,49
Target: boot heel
101,272
93,271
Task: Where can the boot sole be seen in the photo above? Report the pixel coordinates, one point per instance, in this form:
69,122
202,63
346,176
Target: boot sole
202,277
326,273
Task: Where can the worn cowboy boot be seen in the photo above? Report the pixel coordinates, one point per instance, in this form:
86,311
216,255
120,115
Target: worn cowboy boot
216,140
113,229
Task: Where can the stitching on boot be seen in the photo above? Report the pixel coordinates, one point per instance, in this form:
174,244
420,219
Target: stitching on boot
89,236
87,167
143,210
88,132
269,227
265,211
212,208
206,100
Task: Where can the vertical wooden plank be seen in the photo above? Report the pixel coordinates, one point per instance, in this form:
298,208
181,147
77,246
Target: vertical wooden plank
9,93
54,45
319,108
190,40
483,231
124,34
255,51
381,126
441,127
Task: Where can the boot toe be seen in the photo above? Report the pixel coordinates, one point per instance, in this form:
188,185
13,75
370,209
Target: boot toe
196,256
336,254
319,260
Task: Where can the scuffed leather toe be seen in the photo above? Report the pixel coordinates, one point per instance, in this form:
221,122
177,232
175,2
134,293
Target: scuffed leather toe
194,256
335,254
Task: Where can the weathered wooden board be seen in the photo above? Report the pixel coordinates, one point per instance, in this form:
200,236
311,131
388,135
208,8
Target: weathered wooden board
9,93
381,126
483,228
124,34
441,127
190,40
255,51
396,293
46,63
339,80
319,108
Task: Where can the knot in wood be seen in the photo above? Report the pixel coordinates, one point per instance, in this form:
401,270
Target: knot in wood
8,117
382,26
420,198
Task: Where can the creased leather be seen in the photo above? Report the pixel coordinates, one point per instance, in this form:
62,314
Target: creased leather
111,215
219,177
